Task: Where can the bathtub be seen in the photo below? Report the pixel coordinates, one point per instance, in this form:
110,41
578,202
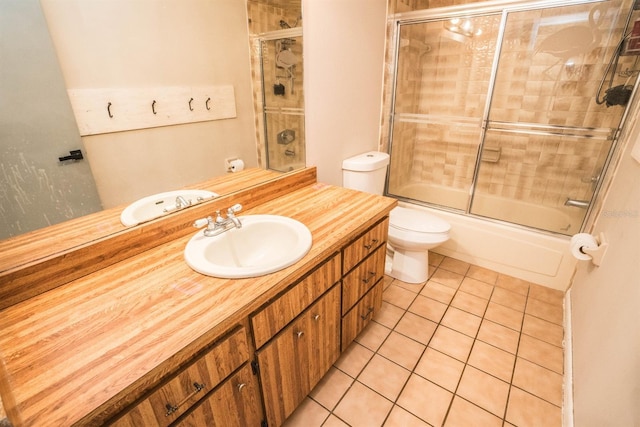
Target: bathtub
529,255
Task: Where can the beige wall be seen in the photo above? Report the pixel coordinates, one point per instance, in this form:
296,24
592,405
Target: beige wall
605,306
343,61
157,43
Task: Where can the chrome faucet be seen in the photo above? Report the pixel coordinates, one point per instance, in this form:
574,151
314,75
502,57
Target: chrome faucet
220,224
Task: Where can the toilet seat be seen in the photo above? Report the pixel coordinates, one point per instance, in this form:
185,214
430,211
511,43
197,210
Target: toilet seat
415,221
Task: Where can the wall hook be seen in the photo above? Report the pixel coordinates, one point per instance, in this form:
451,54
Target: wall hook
109,110
153,107
190,107
207,103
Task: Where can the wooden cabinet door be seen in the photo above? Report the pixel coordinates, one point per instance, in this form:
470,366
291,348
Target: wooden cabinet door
235,403
297,358
361,314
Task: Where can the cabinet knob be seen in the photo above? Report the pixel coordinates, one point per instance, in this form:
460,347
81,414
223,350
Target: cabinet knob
372,244
371,275
316,317
300,334
241,386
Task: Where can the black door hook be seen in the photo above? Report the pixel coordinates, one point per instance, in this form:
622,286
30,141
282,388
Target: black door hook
73,155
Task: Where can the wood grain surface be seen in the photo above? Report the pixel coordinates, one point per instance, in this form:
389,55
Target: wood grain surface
86,348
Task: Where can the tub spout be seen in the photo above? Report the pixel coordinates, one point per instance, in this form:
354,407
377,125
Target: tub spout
583,204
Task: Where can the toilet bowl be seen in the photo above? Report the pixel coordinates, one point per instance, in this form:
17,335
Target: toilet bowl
412,232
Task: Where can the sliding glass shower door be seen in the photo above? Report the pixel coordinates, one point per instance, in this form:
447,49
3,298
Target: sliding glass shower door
507,115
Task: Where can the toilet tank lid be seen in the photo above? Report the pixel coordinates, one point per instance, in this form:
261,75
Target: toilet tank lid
364,162
416,220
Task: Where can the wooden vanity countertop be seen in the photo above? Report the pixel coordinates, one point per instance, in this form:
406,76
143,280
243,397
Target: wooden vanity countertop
68,355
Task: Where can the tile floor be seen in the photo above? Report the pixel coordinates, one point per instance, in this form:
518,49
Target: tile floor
471,347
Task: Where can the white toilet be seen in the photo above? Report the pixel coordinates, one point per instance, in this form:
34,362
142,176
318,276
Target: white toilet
412,232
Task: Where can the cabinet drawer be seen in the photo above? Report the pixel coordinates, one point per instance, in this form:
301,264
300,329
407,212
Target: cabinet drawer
360,315
171,400
365,244
235,403
362,278
270,320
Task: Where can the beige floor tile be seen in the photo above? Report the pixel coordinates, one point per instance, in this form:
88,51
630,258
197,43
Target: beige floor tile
425,400
438,292
455,265
483,274
492,360
541,353
484,390
504,316
411,287
373,335
499,336
545,294
466,414
539,381
435,259
334,421
388,280
471,303
402,350
476,287
447,278
331,388
441,369
549,312
401,418
509,299
461,321
511,283
543,330
388,315
354,359
308,414
428,308
398,296
362,406
527,410
416,327
452,343
384,377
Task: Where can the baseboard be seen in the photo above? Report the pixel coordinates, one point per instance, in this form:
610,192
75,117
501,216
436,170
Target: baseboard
567,403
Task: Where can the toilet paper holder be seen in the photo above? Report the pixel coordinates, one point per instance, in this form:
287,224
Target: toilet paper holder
597,253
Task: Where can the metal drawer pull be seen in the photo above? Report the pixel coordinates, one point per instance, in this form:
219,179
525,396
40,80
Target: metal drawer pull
241,386
372,274
316,317
372,244
173,408
300,334
364,316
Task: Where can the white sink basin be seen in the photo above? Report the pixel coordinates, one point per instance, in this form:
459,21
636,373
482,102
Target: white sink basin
264,244
160,204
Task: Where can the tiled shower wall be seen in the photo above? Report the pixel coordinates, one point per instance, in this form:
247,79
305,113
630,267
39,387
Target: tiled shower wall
265,16
531,168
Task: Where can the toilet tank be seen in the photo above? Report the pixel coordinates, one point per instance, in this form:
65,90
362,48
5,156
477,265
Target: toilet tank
365,172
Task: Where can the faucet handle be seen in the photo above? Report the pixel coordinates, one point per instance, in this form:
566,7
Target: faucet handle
234,209
199,223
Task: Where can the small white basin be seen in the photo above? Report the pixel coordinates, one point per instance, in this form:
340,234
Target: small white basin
264,244
160,204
